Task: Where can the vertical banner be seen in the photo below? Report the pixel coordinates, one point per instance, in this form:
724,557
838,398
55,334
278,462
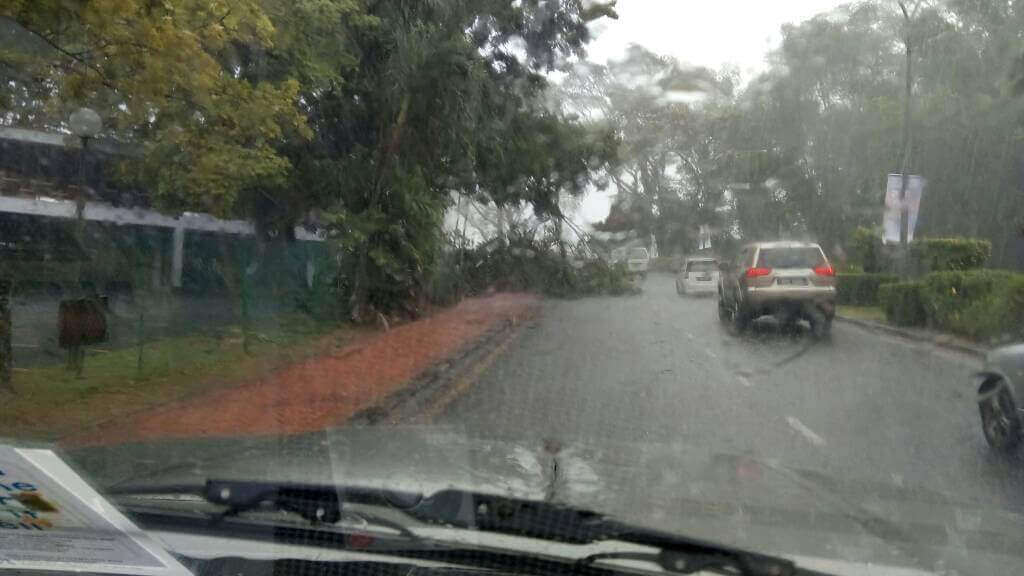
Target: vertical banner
704,237
891,219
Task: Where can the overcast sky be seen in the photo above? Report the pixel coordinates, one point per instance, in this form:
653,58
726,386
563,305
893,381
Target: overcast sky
712,33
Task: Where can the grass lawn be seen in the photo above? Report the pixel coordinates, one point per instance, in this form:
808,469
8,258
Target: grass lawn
50,402
872,313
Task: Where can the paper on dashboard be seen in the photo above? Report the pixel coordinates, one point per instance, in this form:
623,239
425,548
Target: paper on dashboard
51,520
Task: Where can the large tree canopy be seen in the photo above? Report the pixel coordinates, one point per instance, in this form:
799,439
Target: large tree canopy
803,148
669,119
163,75
363,115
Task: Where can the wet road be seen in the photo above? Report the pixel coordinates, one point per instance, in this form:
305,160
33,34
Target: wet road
658,368
863,448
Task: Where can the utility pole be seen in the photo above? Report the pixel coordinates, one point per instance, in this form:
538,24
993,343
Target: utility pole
904,257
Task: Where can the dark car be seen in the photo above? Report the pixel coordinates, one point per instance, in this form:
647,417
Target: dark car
1000,396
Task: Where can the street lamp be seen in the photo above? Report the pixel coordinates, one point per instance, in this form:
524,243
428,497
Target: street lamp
85,123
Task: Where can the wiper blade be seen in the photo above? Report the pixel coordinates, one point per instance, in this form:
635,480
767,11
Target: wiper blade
539,520
318,505
701,559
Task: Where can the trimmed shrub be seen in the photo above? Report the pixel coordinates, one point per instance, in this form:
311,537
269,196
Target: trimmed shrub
947,296
996,318
867,250
902,303
861,289
944,254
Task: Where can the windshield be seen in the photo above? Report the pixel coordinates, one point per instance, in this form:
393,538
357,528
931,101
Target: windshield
790,258
475,245
701,266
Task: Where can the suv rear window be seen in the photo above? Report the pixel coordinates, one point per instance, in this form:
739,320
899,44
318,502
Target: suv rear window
790,258
701,266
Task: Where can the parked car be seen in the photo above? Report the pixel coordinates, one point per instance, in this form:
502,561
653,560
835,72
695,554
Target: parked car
1000,394
638,260
698,275
788,280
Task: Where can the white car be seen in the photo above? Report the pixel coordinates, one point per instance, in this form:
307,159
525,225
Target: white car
638,261
698,276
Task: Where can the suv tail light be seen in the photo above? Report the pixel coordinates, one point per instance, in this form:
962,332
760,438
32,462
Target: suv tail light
755,272
824,271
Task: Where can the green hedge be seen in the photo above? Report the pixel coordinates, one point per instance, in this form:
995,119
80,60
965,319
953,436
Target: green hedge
983,305
948,295
997,319
861,289
943,254
902,303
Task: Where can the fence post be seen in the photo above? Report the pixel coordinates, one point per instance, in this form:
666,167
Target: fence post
178,256
6,361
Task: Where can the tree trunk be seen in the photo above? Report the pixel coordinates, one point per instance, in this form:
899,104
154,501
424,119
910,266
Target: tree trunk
360,287
502,237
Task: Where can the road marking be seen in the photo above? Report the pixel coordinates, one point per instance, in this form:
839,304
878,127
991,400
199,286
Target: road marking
710,353
802,428
466,381
743,380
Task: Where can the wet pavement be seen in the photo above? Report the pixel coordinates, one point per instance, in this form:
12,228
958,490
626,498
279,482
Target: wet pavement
859,448
659,368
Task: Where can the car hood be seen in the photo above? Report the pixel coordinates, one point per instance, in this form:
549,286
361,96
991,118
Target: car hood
733,499
1012,354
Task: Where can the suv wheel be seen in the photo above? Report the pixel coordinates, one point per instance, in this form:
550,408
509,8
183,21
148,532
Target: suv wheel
822,328
724,313
740,319
821,325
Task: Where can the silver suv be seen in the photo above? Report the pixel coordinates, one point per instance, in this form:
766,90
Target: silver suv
788,280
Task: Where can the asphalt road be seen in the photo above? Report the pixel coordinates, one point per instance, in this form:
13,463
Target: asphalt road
860,448
659,368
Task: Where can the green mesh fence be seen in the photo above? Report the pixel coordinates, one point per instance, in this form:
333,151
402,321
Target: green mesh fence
225,279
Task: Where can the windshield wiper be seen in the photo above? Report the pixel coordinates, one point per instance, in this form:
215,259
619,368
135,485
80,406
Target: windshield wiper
541,520
317,505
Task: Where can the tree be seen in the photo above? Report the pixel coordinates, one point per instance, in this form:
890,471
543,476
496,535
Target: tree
669,119
164,76
438,103
828,117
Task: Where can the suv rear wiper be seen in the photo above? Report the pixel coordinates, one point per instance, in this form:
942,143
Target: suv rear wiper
541,520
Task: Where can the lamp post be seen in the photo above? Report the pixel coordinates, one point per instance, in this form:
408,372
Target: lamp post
84,123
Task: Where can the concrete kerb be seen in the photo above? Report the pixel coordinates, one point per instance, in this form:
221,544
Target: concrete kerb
942,340
407,401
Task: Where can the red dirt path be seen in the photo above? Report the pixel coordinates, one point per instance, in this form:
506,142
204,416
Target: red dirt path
324,390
